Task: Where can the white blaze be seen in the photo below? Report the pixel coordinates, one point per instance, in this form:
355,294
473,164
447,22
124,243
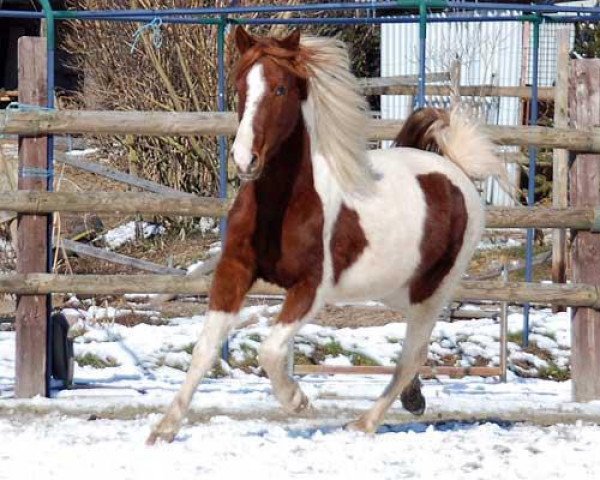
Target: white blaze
242,146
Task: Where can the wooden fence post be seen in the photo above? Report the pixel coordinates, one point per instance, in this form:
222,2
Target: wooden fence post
584,112
560,164
32,310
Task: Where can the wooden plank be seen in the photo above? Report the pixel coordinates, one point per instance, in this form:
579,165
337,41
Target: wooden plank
217,123
116,203
455,82
150,186
101,122
560,161
405,85
127,203
579,140
380,88
113,257
521,292
378,85
118,176
584,111
540,217
513,292
425,371
207,267
473,314
32,310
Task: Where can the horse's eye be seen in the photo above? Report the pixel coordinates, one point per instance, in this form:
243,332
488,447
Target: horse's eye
281,90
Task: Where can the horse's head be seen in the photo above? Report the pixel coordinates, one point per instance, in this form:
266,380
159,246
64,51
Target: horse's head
271,82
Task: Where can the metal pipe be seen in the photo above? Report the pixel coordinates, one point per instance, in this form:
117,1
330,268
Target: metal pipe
194,20
380,20
20,14
377,6
503,330
533,8
270,9
449,18
50,66
422,53
221,107
533,117
190,20
408,19
50,86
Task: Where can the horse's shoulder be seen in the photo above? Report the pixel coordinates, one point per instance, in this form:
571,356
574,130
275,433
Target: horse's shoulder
242,216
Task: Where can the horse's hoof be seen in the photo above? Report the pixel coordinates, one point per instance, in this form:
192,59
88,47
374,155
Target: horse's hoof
361,425
299,403
165,431
161,436
412,398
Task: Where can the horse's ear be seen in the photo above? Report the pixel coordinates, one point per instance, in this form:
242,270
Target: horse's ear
292,41
243,40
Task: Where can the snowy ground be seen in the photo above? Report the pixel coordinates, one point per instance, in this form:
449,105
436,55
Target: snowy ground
69,448
237,429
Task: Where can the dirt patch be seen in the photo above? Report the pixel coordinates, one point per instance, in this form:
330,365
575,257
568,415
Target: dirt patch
124,410
354,317
8,304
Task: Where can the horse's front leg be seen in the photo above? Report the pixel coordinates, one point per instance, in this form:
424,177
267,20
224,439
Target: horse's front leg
233,278
300,304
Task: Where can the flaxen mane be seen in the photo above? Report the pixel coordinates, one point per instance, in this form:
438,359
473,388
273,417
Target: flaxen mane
338,111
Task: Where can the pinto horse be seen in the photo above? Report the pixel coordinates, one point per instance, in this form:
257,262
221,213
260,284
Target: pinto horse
329,221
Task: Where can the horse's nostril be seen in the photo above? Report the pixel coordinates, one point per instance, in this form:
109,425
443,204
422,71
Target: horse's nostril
253,160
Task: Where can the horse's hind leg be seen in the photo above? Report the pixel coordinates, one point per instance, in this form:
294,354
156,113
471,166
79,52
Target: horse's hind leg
299,305
420,325
411,397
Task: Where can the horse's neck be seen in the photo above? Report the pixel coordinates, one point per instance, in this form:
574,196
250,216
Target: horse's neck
285,196
287,174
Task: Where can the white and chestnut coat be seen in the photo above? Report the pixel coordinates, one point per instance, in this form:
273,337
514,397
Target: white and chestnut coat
329,221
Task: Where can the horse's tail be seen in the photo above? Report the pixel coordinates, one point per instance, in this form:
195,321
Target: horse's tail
452,135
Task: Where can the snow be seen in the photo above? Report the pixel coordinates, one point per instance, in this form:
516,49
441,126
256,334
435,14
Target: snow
209,225
498,243
238,429
126,233
82,153
223,448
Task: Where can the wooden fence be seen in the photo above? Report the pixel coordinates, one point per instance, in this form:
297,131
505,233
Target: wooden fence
128,203
34,205
32,123
513,292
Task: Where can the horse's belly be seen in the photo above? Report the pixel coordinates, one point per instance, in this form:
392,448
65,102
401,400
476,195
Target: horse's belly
382,270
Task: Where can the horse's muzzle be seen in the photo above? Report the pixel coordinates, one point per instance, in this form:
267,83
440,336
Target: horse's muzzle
247,177
253,170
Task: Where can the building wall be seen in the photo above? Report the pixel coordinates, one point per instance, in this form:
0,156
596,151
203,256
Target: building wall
10,31
489,53
13,28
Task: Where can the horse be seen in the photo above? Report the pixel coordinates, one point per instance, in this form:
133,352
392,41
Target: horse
320,215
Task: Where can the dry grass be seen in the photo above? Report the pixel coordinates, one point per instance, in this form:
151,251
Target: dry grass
484,260
181,75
